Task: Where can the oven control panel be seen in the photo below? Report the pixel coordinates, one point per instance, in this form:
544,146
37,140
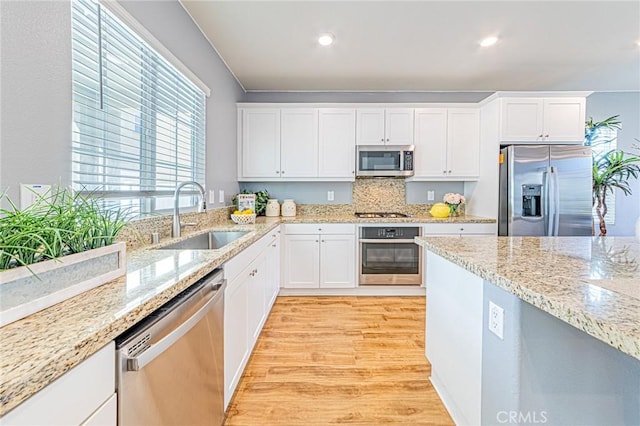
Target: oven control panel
393,233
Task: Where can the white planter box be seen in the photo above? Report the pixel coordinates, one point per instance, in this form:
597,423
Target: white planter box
22,293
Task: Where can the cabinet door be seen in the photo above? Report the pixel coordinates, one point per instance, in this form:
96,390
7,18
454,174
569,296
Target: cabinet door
430,142
370,126
261,143
236,349
399,126
301,261
564,119
521,120
258,284
299,143
337,143
463,143
337,261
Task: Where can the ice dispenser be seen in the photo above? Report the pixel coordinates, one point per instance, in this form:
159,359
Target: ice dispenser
531,200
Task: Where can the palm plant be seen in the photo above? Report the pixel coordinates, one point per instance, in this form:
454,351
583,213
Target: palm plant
612,169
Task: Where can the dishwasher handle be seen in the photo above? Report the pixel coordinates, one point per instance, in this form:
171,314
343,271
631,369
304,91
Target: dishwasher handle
137,363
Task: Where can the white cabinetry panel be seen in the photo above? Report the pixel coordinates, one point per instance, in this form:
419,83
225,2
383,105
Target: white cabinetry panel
337,147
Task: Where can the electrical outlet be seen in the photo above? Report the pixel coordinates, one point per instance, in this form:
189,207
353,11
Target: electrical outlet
431,195
330,195
212,196
496,320
221,196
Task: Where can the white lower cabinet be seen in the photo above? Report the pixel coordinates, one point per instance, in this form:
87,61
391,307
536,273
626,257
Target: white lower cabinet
83,395
319,256
252,287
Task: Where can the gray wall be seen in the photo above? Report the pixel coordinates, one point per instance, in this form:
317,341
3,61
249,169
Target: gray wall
627,104
36,90
316,192
356,97
35,107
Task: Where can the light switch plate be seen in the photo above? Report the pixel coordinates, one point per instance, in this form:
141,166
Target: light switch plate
30,192
221,196
431,195
212,196
330,195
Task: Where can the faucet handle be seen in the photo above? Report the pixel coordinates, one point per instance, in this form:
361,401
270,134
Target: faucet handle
203,207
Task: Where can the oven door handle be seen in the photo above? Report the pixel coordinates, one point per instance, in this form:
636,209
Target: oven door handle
387,241
138,363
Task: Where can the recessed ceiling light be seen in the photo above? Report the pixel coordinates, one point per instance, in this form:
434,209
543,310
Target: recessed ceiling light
325,39
489,41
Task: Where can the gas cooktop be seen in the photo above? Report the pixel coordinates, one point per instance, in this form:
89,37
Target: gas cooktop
380,215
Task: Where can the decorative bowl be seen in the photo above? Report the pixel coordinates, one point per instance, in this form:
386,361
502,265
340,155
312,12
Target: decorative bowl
244,219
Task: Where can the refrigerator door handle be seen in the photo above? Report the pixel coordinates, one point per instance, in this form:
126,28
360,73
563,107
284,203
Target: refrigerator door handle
548,200
556,201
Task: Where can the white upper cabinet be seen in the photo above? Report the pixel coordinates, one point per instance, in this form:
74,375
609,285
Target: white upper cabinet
260,142
299,143
380,126
542,120
337,131
296,144
370,126
447,144
463,143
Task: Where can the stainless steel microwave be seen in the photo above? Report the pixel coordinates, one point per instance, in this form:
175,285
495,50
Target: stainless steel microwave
384,160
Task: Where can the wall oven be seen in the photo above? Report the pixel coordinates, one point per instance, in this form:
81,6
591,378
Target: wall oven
384,160
389,255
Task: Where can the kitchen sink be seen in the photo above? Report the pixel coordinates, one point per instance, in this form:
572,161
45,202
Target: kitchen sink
209,241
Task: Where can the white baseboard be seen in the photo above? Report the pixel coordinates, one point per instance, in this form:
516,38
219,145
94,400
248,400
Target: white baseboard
395,290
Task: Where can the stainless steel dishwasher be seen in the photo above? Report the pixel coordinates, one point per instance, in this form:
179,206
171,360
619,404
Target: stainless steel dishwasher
170,366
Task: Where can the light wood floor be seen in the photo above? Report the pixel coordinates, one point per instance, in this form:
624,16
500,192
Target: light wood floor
325,360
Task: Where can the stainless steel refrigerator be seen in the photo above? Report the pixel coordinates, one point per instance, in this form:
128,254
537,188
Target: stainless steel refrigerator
545,190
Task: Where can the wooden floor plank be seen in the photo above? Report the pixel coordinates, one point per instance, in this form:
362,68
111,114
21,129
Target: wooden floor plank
339,360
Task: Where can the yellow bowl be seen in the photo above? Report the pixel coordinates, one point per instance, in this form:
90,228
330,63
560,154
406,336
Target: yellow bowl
440,210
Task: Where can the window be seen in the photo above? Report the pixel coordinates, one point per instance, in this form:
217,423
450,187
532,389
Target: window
138,123
604,140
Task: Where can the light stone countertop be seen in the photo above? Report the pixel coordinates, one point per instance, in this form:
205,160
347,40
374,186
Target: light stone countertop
40,348
591,283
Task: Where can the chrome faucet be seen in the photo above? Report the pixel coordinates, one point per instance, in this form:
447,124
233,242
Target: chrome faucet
177,225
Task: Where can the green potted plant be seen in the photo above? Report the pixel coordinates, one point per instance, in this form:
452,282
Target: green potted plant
62,245
612,169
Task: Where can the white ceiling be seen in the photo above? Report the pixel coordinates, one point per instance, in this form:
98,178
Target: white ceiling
425,45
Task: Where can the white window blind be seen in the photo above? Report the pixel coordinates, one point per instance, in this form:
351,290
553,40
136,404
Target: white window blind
605,140
138,123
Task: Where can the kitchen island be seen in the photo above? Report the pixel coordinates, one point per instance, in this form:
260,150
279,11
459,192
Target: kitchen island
566,315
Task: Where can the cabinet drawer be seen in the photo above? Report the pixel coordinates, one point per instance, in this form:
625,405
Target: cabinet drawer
235,266
320,228
73,397
459,228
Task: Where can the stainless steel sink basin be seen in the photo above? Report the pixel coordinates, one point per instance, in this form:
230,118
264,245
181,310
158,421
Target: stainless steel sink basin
209,241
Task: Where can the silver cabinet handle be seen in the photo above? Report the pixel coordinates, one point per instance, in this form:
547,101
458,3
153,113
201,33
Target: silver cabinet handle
546,136
273,245
277,172
138,363
323,241
382,140
316,241
282,172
